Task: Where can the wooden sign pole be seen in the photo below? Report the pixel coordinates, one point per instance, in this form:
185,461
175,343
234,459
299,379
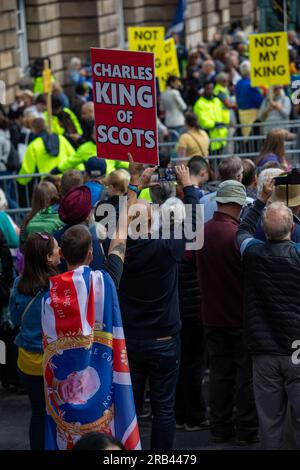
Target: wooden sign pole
48,91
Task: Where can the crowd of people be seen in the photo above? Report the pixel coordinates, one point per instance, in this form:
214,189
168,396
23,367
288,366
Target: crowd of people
226,312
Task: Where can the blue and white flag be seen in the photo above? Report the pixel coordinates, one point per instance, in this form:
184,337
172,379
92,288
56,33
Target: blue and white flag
178,21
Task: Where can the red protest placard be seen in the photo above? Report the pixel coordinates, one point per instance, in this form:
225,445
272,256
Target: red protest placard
125,105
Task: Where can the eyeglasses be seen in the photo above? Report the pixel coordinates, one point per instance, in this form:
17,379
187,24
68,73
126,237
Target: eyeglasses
43,236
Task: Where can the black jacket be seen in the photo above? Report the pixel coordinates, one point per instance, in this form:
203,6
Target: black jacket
189,291
149,285
271,280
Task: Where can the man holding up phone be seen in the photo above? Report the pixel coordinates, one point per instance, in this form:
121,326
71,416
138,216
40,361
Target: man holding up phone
149,304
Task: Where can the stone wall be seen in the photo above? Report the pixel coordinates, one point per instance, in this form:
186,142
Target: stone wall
244,10
193,24
9,71
61,29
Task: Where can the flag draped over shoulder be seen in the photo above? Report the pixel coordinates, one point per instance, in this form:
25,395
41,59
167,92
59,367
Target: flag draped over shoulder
86,373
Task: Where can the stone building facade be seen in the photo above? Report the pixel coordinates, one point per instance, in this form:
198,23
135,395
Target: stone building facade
61,29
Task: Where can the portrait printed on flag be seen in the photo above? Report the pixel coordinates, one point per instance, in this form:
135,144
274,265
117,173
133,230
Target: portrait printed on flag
86,372
77,400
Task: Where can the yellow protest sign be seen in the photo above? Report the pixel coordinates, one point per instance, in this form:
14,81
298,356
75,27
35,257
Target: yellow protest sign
269,59
147,39
169,63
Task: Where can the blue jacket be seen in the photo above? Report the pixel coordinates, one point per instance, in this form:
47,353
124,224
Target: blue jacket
96,190
210,205
30,335
247,97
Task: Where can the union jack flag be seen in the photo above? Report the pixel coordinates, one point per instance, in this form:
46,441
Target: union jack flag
86,373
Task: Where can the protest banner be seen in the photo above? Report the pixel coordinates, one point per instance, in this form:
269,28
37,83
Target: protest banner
125,105
269,59
147,39
169,63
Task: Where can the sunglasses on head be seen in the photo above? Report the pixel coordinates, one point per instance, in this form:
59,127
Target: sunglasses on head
43,236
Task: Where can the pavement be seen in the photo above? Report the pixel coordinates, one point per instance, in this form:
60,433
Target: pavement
15,416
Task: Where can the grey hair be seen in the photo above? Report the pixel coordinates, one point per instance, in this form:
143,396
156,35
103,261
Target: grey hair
173,209
277,221
74,61
221,77
245,68
164,191
268,172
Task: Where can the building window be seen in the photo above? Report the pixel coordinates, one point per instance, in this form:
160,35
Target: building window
22,50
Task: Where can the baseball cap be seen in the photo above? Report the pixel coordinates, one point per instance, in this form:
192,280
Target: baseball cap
231,191
95,166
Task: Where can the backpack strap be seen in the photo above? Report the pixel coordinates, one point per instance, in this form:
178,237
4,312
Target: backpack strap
197,142
29,305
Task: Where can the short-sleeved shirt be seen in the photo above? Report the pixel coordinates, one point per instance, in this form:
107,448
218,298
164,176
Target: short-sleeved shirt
196,142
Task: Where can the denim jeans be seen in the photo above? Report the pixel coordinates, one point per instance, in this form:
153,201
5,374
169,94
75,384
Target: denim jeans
34,386
157,359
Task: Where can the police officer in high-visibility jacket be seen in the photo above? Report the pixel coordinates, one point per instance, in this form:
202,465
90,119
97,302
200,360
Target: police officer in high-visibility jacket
221,91
45,152
209,111
84,152
64,122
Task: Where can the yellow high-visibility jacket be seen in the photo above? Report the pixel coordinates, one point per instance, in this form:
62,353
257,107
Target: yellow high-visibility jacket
82,154
56,127
209,113
38,84
225,111
38,160
88,150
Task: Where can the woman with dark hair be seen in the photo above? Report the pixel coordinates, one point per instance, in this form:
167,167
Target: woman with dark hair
41,256
194,141
98,441
273,149
44,211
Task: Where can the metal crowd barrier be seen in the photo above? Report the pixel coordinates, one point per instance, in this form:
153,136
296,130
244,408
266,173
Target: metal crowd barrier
234,145
249,144
19,195
278,124
243,147
239,144
292,154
